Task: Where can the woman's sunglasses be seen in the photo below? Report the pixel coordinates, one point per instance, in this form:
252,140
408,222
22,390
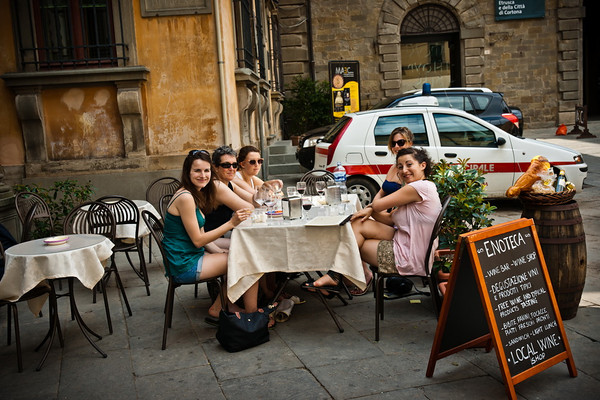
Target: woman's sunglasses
398,143
194,153
228,165
253,162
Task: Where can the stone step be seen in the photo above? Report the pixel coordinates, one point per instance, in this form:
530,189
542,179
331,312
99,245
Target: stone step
282,147
275,159
285,169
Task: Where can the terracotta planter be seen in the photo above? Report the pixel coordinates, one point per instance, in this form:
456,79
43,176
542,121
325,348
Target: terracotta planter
443,276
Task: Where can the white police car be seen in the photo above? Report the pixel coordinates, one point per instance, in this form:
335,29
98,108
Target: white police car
359,142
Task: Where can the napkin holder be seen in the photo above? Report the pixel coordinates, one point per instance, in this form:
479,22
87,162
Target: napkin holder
291,207
333,195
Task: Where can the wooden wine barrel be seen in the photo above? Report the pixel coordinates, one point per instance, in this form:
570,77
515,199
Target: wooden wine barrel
561,235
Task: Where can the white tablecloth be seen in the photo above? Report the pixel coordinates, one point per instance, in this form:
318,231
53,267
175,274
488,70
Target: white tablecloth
290,247
128,231
29,263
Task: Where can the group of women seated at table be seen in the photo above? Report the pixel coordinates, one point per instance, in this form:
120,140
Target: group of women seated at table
393,231
217,195
212,200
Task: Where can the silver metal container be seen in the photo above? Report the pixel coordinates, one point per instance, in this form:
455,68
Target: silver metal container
291,207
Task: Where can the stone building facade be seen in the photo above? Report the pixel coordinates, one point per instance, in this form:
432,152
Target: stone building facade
536,62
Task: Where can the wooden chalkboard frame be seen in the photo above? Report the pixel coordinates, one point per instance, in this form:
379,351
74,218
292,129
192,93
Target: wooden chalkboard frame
467,318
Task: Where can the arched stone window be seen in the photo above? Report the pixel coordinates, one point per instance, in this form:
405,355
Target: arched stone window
430,48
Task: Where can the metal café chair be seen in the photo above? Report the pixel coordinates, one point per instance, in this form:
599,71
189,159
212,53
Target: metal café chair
429,276
314,176
164,204
53,317
157,231
96,218
35,216
154,194
127,213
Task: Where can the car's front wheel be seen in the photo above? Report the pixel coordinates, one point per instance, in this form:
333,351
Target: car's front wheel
364,188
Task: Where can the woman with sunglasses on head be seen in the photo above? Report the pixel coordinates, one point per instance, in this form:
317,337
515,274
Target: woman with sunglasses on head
185,240
249,164
396,241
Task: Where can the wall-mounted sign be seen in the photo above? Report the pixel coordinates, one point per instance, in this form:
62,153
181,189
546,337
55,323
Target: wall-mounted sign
344,78
519,9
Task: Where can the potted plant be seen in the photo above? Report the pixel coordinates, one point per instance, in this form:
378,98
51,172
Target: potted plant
467,210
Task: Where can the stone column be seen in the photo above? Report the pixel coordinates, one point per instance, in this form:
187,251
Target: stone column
29,111
130,109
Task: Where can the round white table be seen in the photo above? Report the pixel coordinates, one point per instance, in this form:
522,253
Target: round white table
31,263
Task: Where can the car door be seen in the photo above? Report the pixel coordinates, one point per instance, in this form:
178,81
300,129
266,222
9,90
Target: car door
376,151
460,136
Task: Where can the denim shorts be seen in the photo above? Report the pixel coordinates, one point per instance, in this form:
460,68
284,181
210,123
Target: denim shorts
192,275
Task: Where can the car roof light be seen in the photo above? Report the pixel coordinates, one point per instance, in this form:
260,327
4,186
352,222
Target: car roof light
512,118
426,89
419,101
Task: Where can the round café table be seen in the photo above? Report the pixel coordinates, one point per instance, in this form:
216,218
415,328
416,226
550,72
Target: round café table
31,263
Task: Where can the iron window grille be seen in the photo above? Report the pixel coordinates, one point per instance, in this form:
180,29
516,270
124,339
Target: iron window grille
69,34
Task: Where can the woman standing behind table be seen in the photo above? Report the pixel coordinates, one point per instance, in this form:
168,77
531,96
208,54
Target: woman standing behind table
249,164
395,242
185,239
400,138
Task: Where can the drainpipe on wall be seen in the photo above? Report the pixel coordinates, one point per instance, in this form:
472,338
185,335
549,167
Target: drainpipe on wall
221,63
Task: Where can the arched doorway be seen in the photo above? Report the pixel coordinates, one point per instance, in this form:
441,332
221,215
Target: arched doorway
430,48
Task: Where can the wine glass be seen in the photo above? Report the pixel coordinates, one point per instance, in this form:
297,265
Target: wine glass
320,186
301,187
259,197
276,186
291,191
306,205
270,201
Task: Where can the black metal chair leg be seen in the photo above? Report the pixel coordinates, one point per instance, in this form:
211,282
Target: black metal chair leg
122,289
106,307
17,336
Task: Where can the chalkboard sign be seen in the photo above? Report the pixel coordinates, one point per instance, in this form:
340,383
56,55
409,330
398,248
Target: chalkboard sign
500,295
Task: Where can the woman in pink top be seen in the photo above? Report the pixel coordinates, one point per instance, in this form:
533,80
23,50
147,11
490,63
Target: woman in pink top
395,241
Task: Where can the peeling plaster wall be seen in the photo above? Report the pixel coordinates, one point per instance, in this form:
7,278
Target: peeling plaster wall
82,123
12,150
182,91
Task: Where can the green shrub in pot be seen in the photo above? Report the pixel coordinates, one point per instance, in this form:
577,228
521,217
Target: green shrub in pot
467,210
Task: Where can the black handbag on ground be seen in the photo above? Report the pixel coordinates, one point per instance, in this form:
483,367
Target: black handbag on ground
240,331
397,287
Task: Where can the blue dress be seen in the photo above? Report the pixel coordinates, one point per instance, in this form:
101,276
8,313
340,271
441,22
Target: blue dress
181,252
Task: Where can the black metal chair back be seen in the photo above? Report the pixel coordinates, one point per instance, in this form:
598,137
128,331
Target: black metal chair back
160,187
311,177
164,204
35,216
91,217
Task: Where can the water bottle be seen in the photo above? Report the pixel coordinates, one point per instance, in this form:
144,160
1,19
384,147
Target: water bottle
560,181
339,174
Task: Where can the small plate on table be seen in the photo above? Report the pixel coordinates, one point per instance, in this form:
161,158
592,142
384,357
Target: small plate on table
56,240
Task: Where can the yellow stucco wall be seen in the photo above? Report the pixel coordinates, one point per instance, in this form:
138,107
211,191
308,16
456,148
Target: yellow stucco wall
12,151
182,91
82,123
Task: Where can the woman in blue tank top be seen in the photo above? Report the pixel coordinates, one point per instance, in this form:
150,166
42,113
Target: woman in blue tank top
185,239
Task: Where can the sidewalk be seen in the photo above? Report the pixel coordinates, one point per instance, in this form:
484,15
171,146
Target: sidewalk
306,357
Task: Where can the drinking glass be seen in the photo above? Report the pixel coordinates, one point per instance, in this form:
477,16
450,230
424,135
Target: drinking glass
301,187
320,186
259,197
306,205
291,191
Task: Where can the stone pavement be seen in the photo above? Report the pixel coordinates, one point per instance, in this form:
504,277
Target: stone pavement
306,357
